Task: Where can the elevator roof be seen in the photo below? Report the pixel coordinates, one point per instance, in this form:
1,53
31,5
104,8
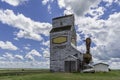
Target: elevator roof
60,29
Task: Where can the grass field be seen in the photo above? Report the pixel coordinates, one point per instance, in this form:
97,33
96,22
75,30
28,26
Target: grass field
35,74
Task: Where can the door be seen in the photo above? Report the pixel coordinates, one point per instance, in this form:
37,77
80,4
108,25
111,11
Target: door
70,66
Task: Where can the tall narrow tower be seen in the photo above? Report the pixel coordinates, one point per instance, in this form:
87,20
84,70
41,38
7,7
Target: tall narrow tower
63,53
64,25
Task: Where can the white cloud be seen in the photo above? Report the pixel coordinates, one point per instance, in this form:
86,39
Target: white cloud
2,58
28,35
21,64
82,48
20,57
28,28
109,2
14,2
115,65
8,56
28,45
48,3
61,3
49,9
44,2
30,55
46,54
34,53
78,7
16,39
7,45
46,43
81,7
96,12
26,48
9,60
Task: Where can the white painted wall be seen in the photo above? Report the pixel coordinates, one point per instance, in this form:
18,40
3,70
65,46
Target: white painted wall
101,68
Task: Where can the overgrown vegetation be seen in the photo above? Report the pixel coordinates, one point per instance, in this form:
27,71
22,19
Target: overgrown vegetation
36,74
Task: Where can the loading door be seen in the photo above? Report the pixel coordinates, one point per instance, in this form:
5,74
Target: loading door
70,66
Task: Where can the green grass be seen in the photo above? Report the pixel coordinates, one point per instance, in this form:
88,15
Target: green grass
46,75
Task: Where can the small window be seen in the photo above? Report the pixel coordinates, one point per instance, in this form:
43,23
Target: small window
61,23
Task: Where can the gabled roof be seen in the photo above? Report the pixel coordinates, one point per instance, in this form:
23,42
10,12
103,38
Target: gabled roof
71,57
60,29
101,63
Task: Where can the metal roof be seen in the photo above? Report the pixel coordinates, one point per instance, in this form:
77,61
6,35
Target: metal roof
101,63
60,29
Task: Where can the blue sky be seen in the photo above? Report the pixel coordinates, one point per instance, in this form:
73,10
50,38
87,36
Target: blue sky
25,26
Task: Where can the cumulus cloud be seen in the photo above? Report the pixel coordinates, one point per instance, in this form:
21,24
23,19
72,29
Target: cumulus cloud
49,9
26,48
29,35
20,57
14,2
46,43
30,55
46,53
97,12
7,45
16,39
78,7
11,57
28,28
34,53
82,48
81,7
109,2
48,3
9,60
8,56
44,2
2,58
